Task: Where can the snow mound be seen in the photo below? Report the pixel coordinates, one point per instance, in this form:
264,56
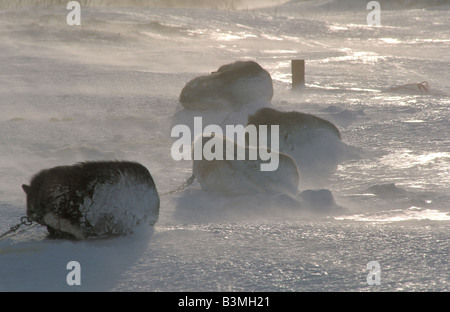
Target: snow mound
389,190
319,201
416,89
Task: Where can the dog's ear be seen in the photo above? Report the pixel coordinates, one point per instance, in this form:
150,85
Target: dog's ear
26,188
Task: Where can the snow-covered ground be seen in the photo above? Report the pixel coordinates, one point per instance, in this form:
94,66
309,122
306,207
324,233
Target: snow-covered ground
109,89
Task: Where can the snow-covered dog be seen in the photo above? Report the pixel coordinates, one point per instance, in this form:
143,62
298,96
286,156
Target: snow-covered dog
234,177
93,199
313,142
230,87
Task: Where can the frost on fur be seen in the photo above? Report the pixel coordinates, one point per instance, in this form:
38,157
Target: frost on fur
93,199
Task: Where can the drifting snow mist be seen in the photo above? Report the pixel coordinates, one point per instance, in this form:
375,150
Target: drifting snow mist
109,89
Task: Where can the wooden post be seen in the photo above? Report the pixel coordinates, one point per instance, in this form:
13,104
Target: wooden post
298,73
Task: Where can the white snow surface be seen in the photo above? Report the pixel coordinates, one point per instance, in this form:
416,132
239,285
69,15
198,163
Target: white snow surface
109,89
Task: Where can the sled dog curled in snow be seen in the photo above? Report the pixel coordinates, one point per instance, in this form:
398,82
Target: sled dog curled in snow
230,87
314,143
93,199
231,176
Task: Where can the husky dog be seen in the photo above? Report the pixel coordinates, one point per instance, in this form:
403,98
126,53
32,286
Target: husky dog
230,87
244,177
92,199
313,142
